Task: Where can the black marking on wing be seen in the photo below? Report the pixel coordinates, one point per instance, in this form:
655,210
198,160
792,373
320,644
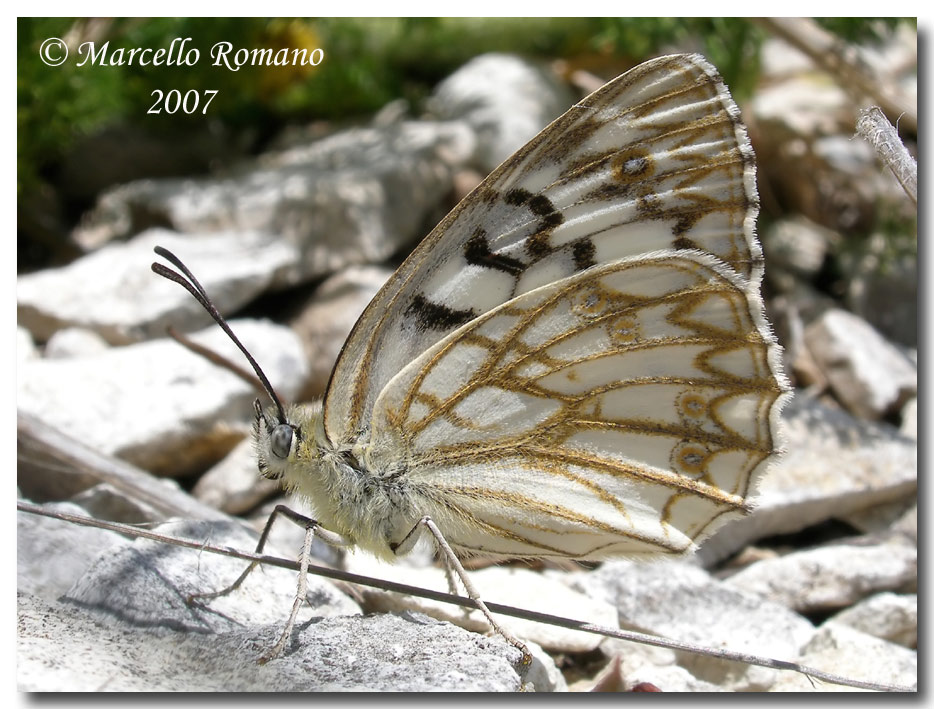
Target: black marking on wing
538,244
517,196
477,252
543,207
538,204
684,224
584,254
432,316
682,242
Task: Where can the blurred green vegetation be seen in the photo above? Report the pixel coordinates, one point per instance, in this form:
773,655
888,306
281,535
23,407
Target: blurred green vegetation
368,62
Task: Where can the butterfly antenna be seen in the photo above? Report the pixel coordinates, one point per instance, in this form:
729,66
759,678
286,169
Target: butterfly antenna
191,284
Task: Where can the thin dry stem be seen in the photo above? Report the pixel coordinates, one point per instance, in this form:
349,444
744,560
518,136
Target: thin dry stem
882,136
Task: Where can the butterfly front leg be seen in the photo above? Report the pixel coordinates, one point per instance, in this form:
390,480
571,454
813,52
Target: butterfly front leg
311,527
452,562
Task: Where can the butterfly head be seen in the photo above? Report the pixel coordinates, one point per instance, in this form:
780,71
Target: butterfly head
274,441
281,442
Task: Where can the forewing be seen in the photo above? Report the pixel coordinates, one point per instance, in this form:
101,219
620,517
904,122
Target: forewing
656,159
626,409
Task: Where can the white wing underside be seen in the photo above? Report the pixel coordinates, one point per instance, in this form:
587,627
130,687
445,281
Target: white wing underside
575,361
628,405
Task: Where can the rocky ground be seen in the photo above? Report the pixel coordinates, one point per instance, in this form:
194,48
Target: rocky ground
823,573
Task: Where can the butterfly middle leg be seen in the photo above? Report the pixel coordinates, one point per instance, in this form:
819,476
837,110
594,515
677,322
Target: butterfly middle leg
453,563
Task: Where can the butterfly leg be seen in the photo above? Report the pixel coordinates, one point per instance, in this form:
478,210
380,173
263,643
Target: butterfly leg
452,562
300,593
311,527
197,598
452,585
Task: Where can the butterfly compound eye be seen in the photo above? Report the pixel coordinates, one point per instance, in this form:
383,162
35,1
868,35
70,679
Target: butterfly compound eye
280,442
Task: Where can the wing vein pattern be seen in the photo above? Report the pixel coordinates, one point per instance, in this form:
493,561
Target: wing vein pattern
576,362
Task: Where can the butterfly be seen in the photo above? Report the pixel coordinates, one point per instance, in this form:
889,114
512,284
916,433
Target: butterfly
575,363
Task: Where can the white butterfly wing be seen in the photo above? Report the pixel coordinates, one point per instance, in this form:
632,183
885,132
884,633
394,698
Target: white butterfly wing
626,409
656,159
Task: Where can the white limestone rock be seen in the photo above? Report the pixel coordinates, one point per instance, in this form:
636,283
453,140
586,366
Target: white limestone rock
831,576
114,293
156,404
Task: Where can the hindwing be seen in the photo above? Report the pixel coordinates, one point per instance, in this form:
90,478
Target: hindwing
625,409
